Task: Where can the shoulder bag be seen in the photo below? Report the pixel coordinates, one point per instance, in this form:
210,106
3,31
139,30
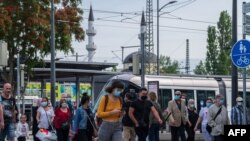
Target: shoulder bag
208,127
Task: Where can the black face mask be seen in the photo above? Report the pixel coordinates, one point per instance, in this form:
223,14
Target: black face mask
144,98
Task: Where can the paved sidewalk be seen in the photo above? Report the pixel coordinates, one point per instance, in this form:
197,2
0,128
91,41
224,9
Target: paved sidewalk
164,136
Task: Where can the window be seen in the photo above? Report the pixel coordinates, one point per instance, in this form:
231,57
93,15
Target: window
189,93
165,95
202,96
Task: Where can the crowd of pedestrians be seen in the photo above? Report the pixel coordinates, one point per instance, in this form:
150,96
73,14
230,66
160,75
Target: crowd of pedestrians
120,119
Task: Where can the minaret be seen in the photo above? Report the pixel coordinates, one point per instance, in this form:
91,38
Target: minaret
91,32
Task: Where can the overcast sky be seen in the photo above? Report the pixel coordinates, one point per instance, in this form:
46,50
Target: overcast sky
117,24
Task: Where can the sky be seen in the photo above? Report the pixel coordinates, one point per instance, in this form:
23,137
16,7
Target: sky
118,24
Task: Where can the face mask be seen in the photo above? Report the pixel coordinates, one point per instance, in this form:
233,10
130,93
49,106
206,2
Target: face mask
177,97
44,104
191,106
240,103
208,104
117,93
222,101
144,98
201,103
68,99
64,105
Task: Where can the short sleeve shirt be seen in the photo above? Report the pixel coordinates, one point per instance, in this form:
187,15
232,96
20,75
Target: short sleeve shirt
142,108
44,123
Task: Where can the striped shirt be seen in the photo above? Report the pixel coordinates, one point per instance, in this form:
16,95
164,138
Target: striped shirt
237,115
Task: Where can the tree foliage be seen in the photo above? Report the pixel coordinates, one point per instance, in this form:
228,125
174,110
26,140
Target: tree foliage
167,65
200,69
26,24
219,42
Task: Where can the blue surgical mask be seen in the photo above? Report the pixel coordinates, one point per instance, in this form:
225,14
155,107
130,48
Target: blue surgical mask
221,101
208,104
117,93
177,97
44,104
69,99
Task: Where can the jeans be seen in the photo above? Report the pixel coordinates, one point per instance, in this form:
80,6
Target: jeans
153,134
177,132
110,131
9,131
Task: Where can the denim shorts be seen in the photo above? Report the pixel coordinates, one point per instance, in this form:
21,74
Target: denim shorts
9,131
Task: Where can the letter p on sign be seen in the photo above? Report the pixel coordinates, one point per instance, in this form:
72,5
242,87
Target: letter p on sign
243,131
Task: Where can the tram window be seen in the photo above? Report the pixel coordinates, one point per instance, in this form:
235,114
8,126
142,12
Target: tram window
189,93
165,95
247,98
202,96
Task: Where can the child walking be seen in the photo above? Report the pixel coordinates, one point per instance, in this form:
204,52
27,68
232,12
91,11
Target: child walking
22,129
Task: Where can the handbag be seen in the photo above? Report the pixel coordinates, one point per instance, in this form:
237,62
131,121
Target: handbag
52,131
208,127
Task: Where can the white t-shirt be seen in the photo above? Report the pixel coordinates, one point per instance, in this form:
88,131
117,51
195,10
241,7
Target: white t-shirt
44,123
204,115
22,129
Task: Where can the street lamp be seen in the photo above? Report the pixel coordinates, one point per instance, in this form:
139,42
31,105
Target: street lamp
52,61
158,15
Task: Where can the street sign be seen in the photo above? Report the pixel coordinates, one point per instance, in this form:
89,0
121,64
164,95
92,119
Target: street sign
240,53
247,8
247,29
247,20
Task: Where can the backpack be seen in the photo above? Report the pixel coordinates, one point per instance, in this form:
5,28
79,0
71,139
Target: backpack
98,119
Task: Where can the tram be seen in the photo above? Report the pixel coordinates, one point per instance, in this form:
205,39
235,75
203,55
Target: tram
196,87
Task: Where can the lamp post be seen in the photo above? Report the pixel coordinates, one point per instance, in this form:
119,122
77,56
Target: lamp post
52,62
158,15
142,38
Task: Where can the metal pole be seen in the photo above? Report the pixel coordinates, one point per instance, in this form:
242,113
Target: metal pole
76,57
234,40
52,46
122,53
244,69
77,91
22,86
158,60
18,80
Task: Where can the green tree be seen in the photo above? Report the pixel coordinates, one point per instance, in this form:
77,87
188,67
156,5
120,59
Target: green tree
224,35
167,65
27,24
212,51
200,69
219,41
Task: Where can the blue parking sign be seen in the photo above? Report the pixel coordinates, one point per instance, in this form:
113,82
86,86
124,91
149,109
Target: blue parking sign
240,53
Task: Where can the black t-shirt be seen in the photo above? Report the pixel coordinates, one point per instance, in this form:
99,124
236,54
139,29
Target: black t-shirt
142,109
126,121
9,107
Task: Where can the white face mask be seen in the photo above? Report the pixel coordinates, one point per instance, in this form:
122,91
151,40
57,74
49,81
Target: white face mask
240,103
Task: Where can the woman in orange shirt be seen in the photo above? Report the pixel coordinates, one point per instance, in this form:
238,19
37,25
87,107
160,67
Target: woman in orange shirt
110,111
